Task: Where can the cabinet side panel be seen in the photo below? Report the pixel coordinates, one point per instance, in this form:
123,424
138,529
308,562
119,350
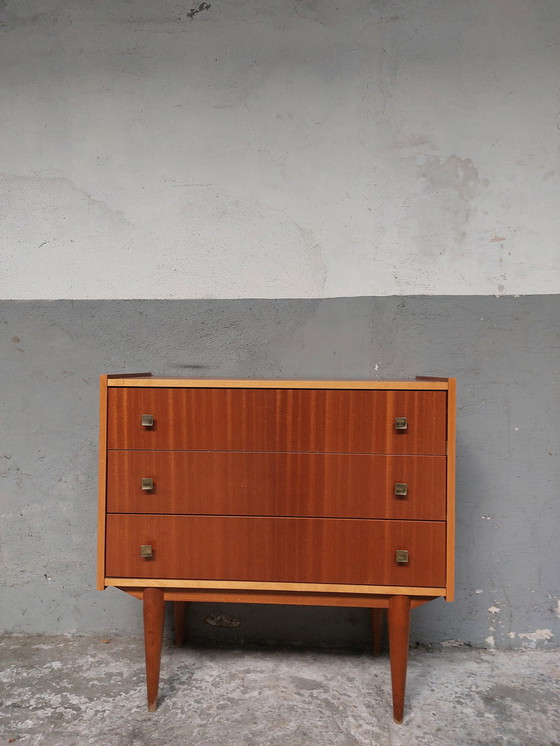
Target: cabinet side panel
451,439
102,487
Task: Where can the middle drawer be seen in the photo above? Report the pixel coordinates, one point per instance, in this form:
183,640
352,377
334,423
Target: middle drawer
280,484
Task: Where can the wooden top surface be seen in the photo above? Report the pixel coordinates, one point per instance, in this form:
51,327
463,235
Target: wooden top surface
439,384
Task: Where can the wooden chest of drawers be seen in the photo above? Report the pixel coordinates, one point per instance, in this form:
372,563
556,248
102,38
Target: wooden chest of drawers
300,492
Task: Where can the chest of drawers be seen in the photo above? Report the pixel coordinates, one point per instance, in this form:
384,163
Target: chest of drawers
294,492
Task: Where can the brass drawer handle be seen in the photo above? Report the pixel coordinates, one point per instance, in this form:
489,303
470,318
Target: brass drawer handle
147,420
402,556
401,423
401,489
147,484
146,551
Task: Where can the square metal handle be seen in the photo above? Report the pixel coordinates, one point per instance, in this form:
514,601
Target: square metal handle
146,551
147,420
402,556
147,484
401,489
401,423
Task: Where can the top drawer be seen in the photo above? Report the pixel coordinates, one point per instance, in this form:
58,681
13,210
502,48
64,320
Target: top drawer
297,420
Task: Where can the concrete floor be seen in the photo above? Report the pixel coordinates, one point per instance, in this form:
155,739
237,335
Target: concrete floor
58,691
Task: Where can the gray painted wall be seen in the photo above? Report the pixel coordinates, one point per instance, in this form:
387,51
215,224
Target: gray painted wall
503,351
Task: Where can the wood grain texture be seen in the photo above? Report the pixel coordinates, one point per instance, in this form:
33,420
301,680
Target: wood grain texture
252,586
102,474
154,613
284,484
179,614
297,420
420,384
350,600
450,509
399,632
102,480
282,549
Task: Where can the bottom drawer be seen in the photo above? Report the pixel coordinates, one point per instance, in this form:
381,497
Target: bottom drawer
319,550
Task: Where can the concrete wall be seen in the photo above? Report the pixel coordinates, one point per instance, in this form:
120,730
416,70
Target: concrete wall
401,155
503,351
277,149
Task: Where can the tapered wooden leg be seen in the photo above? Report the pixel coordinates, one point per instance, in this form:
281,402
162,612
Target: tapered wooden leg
154,608
377,618
179,609
399,627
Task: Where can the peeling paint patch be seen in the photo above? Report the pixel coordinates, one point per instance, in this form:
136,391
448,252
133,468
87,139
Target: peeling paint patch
494,610
539,635
558,608
479,590
490,641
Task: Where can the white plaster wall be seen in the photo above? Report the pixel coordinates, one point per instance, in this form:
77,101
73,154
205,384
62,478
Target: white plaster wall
266,148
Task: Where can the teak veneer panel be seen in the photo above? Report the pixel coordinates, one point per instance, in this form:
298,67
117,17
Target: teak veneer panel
301,420
283,484
319,550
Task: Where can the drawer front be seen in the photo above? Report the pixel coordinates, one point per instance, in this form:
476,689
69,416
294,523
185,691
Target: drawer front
299,420
283,484
264,549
